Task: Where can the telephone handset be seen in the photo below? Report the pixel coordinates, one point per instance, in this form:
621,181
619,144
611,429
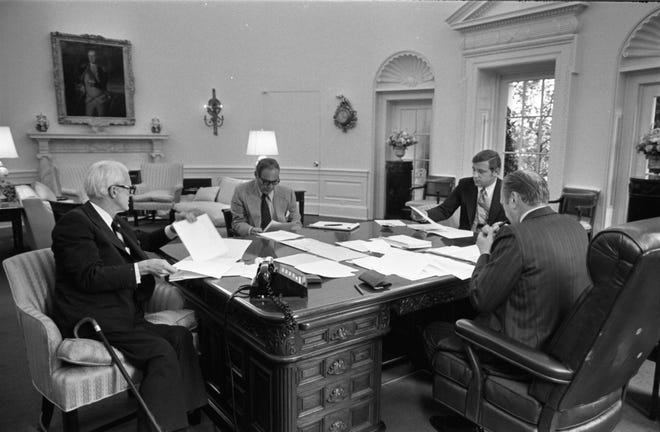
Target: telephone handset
274,281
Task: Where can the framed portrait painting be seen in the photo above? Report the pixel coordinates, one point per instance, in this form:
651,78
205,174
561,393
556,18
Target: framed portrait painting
93,80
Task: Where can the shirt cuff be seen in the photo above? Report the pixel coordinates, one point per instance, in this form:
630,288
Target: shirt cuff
169,232
138,278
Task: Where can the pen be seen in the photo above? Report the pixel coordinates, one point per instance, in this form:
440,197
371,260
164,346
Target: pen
358,289
333,224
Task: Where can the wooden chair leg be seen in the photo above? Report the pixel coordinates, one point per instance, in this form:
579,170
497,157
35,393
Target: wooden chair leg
70,421
46,414
135,218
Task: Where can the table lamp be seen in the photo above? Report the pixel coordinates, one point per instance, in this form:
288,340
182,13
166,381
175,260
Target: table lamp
262,143
7,150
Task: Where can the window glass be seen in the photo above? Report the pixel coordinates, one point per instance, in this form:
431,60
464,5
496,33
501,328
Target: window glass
529,125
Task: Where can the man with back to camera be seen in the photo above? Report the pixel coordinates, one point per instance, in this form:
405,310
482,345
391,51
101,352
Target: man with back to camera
258,202
478,196
529,273
102,272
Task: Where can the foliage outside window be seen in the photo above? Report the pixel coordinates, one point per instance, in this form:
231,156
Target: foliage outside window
529,125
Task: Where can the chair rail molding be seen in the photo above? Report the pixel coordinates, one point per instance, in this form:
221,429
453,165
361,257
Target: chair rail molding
56,143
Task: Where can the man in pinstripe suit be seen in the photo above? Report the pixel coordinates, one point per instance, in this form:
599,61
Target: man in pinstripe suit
529,273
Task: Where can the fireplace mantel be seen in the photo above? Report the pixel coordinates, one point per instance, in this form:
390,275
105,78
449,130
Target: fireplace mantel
50,143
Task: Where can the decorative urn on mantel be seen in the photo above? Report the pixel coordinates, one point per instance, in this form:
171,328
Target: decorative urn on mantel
400,141
649,144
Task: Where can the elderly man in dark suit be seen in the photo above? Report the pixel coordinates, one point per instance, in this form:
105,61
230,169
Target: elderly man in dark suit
103,272
478,196
529,273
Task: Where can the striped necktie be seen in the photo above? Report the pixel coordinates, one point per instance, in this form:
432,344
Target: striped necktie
265,211
482,210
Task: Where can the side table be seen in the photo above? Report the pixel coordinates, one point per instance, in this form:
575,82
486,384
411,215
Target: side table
12,212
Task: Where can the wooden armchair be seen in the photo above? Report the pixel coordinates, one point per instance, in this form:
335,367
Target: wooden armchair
581,203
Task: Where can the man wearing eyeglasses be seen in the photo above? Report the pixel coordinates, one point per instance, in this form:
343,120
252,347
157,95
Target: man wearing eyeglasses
102,272
263,204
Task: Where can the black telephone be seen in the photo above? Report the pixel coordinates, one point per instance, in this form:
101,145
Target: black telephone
274,281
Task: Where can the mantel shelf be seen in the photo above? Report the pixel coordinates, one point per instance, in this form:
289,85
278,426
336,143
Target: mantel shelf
85,143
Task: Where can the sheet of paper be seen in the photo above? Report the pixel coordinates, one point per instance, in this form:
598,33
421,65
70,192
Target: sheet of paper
277,226
324,250
200,238
235,248
409,265
184,274
297,259
279,236
466,253
423,215
378,245
356,245
441,230
327,268
460,269
407,242
389,222
242,269
340,226
216,267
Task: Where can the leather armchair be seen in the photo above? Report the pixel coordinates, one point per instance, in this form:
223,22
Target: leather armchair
63,384
580,203
578,381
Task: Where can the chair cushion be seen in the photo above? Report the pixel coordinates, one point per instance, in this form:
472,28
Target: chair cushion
85,352
163,196
512,397
44,192
227,186
207,193
452,366
181,317
213,209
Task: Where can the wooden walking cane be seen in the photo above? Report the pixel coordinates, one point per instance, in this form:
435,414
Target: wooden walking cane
115,359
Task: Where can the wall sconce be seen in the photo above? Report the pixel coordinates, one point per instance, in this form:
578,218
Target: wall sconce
214,108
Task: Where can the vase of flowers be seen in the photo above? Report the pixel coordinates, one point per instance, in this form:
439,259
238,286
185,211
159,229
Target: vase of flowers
649,144
400,140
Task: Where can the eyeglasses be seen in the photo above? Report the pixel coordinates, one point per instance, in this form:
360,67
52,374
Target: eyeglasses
131,189
269,182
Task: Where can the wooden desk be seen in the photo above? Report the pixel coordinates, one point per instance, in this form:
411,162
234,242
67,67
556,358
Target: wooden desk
13,212
325,374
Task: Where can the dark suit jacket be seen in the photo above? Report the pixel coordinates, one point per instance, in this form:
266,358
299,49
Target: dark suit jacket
95,276
536,271
465,197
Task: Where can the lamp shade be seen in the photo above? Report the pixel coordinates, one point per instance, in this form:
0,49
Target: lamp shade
7,147
262,143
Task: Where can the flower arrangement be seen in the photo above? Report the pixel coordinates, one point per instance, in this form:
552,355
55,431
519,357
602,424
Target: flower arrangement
401,139
649,144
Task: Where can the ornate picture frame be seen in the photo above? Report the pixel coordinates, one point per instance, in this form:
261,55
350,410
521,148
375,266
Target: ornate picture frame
94,82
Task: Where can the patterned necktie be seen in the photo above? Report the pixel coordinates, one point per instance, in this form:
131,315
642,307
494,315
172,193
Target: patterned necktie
482,209
265,212
120,236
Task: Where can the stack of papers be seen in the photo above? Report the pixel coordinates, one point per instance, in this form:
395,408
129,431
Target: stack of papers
324,250
443,231
279,235
312,264
407,242
210,254
339,226
377,245
467,253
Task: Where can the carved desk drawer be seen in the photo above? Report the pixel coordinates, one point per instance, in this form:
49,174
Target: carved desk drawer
335,330
358,417
337,364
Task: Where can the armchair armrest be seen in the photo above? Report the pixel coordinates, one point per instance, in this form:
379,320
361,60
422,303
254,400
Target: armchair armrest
412,188
558,200
534,361
177,192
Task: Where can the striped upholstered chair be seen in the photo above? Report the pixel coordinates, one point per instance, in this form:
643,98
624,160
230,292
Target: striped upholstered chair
159,189
91,378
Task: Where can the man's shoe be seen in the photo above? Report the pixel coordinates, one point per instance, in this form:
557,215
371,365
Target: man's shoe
452,423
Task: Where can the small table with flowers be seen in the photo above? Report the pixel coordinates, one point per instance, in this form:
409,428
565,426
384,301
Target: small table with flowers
12,211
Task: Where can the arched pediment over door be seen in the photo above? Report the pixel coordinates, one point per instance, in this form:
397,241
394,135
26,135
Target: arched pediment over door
404,81
636,107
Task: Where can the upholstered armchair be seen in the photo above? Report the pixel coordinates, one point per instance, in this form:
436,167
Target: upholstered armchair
72,373
578,381
159,190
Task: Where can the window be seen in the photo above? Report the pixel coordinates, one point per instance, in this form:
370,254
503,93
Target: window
528,136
